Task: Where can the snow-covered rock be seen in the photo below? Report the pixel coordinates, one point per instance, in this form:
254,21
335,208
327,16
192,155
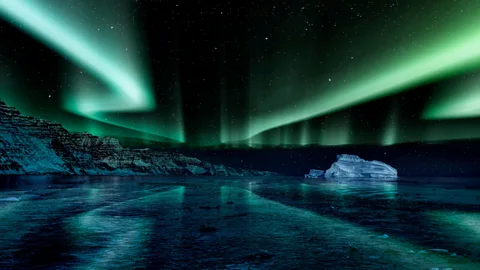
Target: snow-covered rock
315,174
354,166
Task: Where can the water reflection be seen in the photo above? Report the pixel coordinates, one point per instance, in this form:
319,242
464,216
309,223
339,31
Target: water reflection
123,228
211,223
360,188
461,228
310,225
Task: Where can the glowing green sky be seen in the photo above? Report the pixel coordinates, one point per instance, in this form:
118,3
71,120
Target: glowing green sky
460,99
391,126
428,51
95,44
295,75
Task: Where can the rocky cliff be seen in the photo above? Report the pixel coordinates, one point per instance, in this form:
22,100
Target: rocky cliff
32,146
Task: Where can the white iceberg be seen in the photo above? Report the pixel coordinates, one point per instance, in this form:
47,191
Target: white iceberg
315,174
354,166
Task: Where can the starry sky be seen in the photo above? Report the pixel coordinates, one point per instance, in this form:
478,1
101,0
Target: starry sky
247,73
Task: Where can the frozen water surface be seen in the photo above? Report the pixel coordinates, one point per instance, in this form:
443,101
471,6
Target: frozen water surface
238,223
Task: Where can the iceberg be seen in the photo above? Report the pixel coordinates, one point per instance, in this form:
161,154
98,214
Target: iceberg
315,174
354,166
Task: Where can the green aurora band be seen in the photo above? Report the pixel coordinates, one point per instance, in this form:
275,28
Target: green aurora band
449,49
456,100
107,54
390,131
335,130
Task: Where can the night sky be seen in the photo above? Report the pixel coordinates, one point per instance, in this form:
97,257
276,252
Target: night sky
247,73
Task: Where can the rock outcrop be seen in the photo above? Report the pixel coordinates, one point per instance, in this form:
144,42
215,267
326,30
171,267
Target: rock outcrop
354,166
32,146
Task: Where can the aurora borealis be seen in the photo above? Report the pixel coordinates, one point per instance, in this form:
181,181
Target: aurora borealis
97,52
289,73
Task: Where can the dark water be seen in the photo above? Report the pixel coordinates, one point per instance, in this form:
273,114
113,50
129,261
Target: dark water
238,223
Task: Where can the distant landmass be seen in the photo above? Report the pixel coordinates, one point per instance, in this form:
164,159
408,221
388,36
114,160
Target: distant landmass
30,146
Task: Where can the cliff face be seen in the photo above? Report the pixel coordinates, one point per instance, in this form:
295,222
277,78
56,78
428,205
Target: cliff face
32,146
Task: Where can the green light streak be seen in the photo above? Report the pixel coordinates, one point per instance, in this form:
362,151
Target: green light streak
286,137
429,68
448,49
41,23
110,57
460,100
391,126
274,139
305,134
335,130
389,136
437,131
